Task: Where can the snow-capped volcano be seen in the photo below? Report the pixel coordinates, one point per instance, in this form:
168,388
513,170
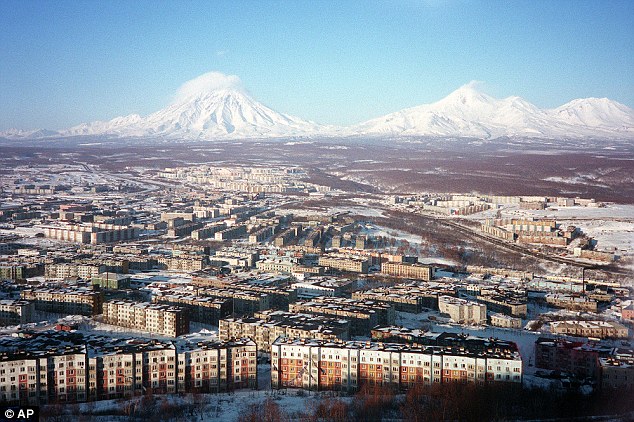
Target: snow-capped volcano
210,106
216,106
597,113
227,112
469,112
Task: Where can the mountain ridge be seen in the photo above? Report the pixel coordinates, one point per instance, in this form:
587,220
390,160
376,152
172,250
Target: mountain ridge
215,106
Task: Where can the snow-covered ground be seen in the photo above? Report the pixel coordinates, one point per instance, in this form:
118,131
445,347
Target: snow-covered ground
376,230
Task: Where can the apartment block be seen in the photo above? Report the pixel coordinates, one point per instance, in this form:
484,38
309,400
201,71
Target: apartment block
204,309
213,367
111,281
505,302
363,315
69,301
597,329
617,372
265,327
576,357
505,321
349,263
183,263
95,233
67,367
165,320
347,366
404,269
235,232
571,302
463,311
15,312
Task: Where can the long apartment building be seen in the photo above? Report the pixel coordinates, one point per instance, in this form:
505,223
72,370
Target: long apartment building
165,320
510,304
597,329
94,233
63,367
204,309
363,315
403,269
347,366
278,294
245,302
14,312
617,371
408,297
69,301
183,263
463,311
346,262
576,357
234,232
70,270
572,302
265,327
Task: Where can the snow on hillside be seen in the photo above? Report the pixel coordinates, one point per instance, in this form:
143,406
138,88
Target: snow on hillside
469,112
216,106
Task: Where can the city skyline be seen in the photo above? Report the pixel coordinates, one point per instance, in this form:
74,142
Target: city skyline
331,63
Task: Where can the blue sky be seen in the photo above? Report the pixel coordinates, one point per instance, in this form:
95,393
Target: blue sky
335,62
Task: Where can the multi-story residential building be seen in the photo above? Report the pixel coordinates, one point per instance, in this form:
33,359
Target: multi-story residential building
277,265
277,295
15,312
287,235
20,271
208,231
463,311
182,228
71,270
94,233
505,321
505,302
597,329
617,371
183,263
239,257
572,302
347,366
395,334
262,234
164,320
212,367
267,326
111,281
234,232
403,269
204,309
244,302
363,315
69,301
321,286
345,262
409,297
66,367
575,357
627,313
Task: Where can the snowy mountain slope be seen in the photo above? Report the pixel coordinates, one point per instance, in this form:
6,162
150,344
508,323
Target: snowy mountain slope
116,125
215,106
469,112
223,113
597,113
210,106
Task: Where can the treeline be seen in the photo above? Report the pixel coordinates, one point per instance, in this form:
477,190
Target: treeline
451,402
